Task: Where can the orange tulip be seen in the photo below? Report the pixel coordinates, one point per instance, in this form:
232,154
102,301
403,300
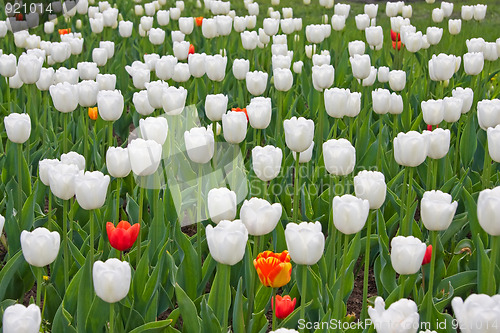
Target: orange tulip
93,113
274,269
394,45
284,306
64,31
191,49
199,20
240,110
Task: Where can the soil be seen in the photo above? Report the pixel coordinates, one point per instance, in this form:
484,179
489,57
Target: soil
355,301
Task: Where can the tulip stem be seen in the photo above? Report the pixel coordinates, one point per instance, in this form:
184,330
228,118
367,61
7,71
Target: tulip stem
409,219
198,213
66,243
340,295
118,187
110,134
402,280
296,187
111,317
379,143
273,308
92,236
214,158
457,145
364,308
38,271
141,204
486,167
65,132
493,264
303,294
19,178
49,212
430,305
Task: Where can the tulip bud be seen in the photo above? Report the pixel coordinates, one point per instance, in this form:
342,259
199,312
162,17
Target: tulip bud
437,210
110,104
362,21
323,76
111,279
256,82
299,133
174,100
266,162
480,12
338,22
106,81
305,242
234,127
397,80
488,113
467,12
410,149
40,247
283,79
452,109
18,127
259,112
90,189
407,254
473,63
370,185
476,311
454,26
383,74
493,135
64,96
144,156
342,9
339,157
154,128
433,111
466,95
259,216
349,213
437,15
227,241
118,162
487,212
240,68
404,309
360,65
18,318
199,143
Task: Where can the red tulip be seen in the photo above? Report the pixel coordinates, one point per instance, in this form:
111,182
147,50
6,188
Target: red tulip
399,45
199,20
395,36
191,49
427,256
284,306
123,236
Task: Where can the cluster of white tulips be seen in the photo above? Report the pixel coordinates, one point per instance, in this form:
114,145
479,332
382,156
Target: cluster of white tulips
142,94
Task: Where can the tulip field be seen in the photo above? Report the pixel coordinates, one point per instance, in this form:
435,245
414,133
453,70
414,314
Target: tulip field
249,166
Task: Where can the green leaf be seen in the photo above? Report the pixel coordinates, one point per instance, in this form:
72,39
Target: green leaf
156,326
11,267
238,315
190,319
220,293
85,291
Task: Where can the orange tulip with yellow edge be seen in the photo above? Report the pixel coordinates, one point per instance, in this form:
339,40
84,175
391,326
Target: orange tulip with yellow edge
274,269
93,113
